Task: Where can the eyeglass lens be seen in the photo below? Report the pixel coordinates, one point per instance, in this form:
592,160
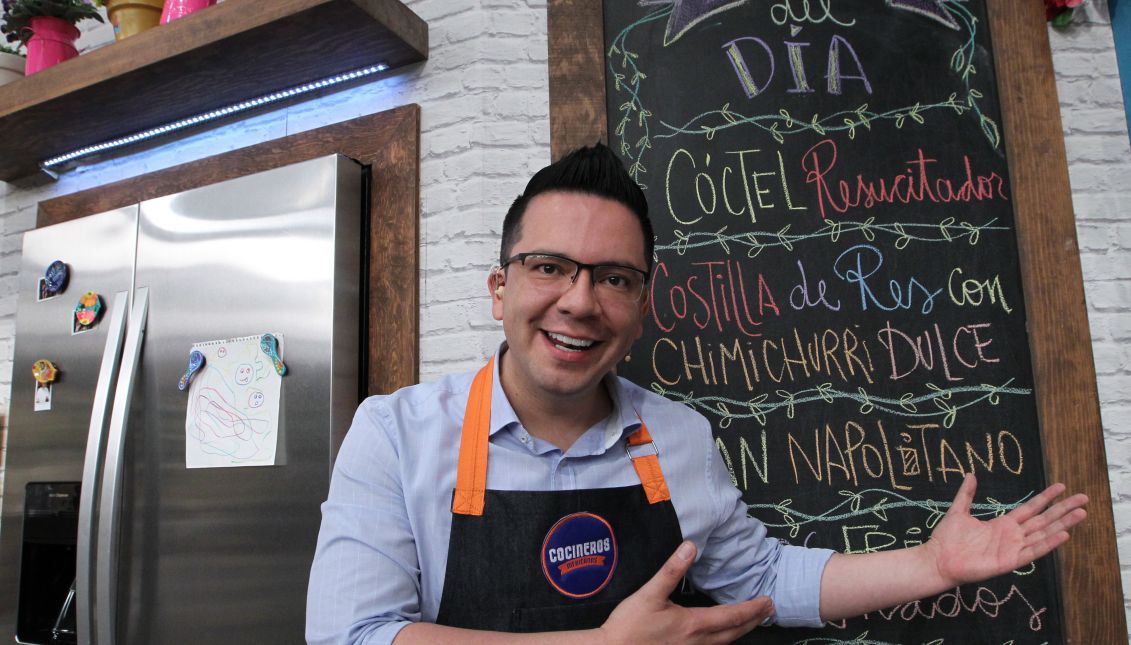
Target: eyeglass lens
614,282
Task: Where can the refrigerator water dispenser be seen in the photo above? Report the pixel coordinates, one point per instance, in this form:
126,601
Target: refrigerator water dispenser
47,568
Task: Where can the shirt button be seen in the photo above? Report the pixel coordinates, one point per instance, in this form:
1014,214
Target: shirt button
524,438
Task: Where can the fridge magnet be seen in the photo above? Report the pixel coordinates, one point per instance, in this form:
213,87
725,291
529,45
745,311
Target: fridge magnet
195,362
269,344
54,280
232,413
86,312
45,373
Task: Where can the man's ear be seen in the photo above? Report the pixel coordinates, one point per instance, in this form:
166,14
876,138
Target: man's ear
496,286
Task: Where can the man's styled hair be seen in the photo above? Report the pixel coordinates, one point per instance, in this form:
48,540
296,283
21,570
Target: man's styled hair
592,170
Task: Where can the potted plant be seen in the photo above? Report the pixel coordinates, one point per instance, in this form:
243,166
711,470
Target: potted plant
130,17
1060,12
46,28
11,64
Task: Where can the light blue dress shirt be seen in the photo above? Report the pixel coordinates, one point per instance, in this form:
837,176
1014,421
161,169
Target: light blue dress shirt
382,549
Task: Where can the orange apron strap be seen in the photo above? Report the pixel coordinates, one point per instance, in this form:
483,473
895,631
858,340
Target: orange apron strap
648,466
471,475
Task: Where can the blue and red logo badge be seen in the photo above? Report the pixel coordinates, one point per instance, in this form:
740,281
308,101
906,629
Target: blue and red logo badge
579,555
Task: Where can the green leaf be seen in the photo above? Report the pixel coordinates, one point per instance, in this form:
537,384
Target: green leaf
784,240
904,238
866,229
817,126
724,412
907,403
1063,19
944,228
990,130
957,60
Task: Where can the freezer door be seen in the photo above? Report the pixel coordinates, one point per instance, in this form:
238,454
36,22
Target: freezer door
45,450
222,555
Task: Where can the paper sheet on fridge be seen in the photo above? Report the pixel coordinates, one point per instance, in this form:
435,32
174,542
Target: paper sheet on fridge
232,417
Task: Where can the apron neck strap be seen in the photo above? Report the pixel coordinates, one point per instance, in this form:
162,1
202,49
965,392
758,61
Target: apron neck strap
647,465
471,473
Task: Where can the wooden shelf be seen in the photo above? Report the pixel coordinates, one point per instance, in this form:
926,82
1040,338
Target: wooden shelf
236,50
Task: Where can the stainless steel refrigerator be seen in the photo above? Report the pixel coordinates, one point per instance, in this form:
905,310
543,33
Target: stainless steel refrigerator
99,495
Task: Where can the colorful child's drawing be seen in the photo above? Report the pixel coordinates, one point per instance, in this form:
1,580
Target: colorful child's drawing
233,406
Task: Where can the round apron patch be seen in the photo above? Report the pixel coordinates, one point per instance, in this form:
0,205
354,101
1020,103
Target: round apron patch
579,555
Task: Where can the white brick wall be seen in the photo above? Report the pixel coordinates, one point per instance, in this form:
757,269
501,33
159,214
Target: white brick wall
1099,158
483,94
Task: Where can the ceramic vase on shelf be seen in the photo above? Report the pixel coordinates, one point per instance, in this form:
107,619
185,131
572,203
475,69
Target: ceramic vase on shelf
131,17
52,41
177,8
11,67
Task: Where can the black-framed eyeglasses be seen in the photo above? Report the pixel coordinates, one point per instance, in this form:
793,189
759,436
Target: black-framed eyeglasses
613,283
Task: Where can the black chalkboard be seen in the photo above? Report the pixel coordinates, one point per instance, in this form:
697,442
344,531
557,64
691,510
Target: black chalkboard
837,285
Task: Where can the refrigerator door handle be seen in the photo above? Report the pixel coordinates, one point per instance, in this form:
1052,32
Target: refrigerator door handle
109,508
111,356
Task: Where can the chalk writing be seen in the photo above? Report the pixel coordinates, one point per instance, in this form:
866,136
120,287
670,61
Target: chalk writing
849,453
857,265
915,183
839,49
974,292
835,284
803,11
758,181
966,346
746,363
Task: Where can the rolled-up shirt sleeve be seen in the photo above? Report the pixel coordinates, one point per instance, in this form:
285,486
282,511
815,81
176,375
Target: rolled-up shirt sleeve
740,561
365,578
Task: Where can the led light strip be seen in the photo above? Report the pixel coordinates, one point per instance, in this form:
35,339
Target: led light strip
214,114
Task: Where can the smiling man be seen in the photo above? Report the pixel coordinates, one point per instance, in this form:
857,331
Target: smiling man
543,493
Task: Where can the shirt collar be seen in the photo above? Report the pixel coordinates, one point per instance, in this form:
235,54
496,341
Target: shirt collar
621,422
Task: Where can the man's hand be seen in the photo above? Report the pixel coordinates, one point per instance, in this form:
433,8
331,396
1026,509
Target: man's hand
648,616
962,549
965,549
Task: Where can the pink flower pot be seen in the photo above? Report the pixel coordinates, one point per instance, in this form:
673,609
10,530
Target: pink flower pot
52,42
176,8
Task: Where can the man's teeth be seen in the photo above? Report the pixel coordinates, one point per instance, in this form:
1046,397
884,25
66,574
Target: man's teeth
568,343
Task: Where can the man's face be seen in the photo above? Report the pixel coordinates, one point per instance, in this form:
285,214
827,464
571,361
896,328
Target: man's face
588,229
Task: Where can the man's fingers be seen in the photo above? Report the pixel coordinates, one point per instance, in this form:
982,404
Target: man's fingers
1060,524
725,623
1061,515
1037,504
965,495
1042,547
1049,529
664,582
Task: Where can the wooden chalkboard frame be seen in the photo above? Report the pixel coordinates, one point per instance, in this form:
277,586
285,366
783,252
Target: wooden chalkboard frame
388,142
1060,342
